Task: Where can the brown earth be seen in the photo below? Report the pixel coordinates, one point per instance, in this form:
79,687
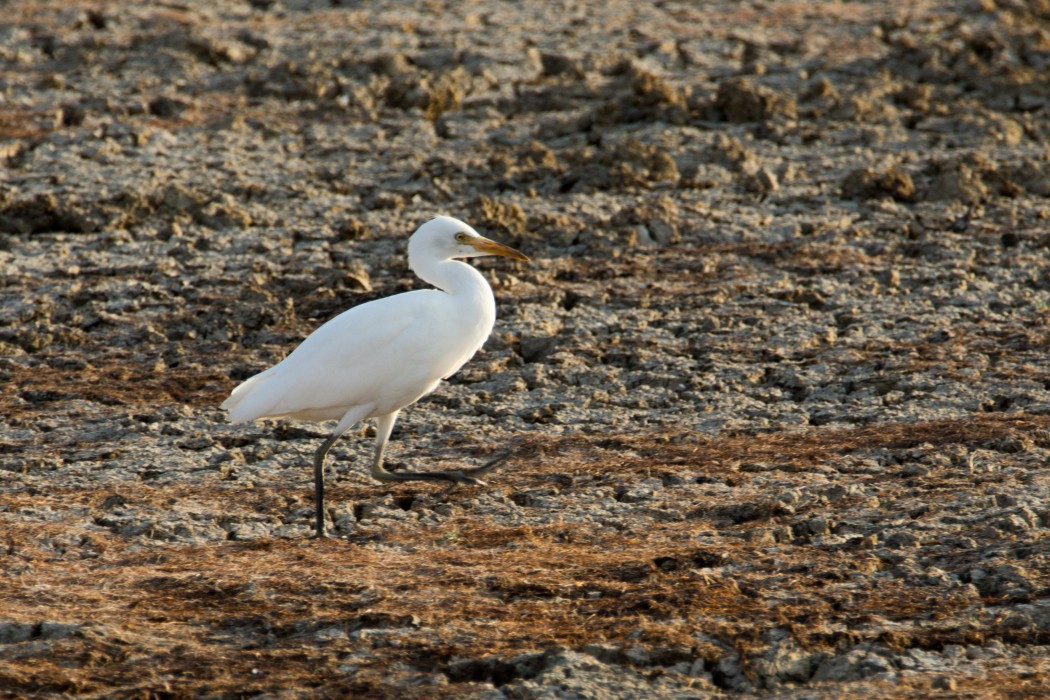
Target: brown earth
774,388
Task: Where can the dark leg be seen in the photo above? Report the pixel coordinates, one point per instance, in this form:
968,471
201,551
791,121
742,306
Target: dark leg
385,424
319,456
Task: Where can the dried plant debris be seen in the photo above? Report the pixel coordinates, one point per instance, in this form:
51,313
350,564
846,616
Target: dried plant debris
773,395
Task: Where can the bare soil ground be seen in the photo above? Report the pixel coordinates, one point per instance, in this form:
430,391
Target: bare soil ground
774,386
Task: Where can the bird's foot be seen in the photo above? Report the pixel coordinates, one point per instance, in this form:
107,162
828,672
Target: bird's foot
460,476
470,476
485,468
454,477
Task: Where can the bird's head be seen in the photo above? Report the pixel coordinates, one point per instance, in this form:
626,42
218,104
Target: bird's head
446,238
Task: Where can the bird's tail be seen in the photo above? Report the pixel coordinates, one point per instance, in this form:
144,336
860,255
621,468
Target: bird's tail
241,406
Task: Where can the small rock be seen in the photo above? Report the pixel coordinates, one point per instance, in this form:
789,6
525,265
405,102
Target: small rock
166,107
763,180
652,222
865,183
559,64
69,115
740,100
785,661
856,664
943,683
499,216
15,632
964,179
114,500
57,630
537,348
639,656
900,539
914,470
197,443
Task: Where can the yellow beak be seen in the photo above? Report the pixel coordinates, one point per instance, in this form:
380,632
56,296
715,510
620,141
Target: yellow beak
484,245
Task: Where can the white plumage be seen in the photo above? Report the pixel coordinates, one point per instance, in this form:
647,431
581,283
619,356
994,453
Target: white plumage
375,359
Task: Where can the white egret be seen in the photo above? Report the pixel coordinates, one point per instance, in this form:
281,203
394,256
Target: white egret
374,359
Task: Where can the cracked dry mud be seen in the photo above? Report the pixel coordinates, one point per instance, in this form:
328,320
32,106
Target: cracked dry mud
776,381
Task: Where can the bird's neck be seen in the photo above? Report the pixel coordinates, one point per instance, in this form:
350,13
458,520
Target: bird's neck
452,276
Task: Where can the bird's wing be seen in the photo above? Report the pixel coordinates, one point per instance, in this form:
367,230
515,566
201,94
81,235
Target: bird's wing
388,352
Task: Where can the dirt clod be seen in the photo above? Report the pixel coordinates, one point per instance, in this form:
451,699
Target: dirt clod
869,184
740,100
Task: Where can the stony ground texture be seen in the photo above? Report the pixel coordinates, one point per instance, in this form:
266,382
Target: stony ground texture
774,388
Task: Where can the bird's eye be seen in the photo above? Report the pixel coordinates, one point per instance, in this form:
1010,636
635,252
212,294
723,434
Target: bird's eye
461,237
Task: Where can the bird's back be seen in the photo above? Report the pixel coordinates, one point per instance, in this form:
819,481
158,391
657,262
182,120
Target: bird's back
388,352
